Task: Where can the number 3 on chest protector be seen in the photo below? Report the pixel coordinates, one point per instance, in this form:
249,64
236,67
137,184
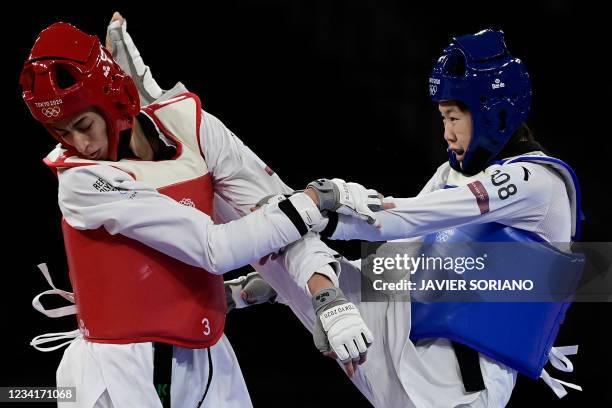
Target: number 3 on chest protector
206,324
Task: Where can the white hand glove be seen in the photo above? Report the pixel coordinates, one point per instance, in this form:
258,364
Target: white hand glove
247,291
128,57
348,198
339,326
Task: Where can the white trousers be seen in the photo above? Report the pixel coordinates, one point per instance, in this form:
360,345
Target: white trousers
121,375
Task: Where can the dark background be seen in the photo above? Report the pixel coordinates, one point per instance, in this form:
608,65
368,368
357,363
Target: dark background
316,89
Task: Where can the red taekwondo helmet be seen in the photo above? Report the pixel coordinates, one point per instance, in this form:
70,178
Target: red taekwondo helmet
69,71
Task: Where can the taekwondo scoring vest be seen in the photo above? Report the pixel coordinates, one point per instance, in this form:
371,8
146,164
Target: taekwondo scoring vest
517,334
126,292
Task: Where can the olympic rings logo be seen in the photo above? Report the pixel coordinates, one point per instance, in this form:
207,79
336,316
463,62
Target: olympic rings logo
51,112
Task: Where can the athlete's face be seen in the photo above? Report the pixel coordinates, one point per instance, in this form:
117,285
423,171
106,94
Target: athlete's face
86,132
457,127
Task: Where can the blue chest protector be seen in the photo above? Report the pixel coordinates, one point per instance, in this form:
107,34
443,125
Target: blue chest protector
517,334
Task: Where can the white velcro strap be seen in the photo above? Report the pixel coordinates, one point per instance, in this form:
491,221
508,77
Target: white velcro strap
329,316
60,311
308,211
51,337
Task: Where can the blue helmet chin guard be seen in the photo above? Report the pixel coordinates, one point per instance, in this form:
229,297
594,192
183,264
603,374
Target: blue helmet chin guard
478,70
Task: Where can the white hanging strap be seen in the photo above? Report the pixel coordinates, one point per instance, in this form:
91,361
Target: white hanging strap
557,385
52,337
60,311
558,358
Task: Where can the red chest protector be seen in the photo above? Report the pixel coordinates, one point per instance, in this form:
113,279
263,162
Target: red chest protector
126,292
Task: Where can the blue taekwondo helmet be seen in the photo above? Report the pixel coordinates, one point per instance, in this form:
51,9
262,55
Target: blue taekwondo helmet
478,70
